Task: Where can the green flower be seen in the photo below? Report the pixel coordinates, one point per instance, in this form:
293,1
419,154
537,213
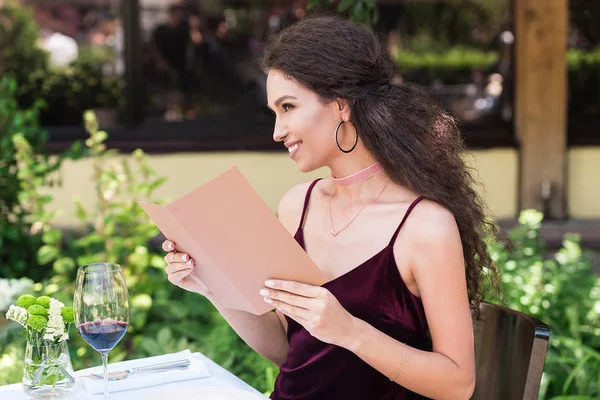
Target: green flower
25,301
37,322
43,301
36,309
67,314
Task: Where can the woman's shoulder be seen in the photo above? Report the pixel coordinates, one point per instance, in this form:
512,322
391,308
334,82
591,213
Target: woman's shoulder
291,205
429,220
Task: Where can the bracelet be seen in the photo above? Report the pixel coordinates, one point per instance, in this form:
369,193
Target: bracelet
401,363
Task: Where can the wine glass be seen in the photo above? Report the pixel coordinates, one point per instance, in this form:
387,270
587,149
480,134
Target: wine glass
101,306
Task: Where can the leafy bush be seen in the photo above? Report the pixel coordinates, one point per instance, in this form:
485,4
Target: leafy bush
19,54
66,91
452,67
24,170
224,346
563,292
456,64
78,87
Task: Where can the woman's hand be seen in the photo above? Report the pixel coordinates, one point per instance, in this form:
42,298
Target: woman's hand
313,307
179,268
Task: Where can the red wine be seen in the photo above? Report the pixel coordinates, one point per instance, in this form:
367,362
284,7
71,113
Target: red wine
103,335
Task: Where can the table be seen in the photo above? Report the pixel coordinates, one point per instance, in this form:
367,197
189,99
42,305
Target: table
219,377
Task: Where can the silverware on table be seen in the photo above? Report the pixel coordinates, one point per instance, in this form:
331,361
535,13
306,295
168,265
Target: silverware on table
118,375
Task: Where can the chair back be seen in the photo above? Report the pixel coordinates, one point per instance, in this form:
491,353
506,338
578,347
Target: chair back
510,351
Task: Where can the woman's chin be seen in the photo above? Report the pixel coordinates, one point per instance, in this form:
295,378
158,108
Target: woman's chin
305,167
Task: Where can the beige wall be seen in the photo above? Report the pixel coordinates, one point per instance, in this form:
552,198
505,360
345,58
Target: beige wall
271,174
583,182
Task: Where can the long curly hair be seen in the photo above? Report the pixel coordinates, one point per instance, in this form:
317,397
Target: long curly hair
415,140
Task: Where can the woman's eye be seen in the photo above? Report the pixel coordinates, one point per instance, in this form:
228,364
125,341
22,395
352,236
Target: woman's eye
286,107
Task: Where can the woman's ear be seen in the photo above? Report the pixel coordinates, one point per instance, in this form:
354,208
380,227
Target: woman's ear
343,109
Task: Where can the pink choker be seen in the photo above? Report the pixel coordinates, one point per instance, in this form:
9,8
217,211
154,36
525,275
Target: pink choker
359,176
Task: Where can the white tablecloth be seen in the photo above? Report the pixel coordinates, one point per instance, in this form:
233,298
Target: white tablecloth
219,377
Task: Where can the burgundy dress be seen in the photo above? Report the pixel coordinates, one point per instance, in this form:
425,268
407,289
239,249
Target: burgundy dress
374,292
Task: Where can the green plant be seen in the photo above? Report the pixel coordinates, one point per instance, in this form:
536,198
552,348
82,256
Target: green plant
453,66
20,55
116,229
364,11
24,171
230,351
562,291
73,89
66,92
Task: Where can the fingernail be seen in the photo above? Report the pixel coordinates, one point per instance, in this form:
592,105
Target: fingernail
171,247
270,283
264,292
190,263
185,257
268,300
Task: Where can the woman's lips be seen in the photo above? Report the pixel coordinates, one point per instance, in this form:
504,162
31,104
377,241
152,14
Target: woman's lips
293,149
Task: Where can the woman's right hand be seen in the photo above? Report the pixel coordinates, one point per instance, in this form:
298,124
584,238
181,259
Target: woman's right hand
179,268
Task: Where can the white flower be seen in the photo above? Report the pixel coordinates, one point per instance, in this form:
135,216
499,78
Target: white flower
56,325
17,314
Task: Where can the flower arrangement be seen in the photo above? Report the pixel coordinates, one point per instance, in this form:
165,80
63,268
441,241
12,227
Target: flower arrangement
45,319
47,371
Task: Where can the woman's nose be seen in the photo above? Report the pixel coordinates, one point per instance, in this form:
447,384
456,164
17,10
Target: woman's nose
279,132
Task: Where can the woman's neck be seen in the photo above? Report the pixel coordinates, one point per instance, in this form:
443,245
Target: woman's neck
356,180
359,176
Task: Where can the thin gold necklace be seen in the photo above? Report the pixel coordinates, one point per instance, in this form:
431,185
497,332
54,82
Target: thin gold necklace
335,232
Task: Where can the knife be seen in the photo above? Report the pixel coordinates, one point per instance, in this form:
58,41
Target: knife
118,375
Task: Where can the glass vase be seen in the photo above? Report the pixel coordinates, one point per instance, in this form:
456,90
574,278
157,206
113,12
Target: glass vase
47,372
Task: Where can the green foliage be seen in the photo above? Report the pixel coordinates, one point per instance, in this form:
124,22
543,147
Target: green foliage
115,230
562,291
19,54
225,346
456,65
65,92
24,171
83,85
364,11
453,66
584,80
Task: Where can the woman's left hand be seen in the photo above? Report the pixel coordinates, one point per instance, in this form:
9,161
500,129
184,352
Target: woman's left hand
313,307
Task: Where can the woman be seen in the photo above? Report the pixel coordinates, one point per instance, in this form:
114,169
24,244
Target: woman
397,229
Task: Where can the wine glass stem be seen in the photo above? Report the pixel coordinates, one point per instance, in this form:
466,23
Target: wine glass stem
105,365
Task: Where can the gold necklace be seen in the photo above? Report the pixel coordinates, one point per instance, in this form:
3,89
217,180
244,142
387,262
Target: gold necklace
335,232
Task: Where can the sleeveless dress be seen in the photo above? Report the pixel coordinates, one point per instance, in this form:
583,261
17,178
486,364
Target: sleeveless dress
374,292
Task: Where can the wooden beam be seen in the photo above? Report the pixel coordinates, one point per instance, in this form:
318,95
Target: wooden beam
541,102
134,77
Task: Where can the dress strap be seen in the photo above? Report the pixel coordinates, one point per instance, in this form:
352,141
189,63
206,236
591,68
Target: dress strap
408,211
306,199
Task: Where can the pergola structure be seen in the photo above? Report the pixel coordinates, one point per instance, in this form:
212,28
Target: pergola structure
541,102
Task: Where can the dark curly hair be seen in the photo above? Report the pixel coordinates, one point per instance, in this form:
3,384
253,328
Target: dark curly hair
415,140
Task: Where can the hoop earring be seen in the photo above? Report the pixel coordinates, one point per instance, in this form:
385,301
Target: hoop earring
338,143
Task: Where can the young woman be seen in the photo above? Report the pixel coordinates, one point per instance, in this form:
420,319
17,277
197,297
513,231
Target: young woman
397,229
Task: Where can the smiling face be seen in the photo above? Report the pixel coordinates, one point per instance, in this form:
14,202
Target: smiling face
303,122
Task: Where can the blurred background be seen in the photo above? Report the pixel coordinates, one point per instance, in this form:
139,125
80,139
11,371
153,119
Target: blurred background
104,102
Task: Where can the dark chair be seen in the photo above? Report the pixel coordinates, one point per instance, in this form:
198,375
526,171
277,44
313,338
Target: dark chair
510,350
